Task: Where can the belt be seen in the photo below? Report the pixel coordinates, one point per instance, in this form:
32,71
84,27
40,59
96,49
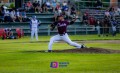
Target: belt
62,34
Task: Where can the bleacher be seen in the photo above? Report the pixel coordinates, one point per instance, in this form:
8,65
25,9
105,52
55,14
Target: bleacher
46,19
97,14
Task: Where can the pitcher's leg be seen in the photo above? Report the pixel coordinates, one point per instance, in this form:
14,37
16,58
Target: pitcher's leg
52,40
67,39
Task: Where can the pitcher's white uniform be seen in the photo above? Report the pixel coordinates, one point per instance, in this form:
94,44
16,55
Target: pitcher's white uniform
34,28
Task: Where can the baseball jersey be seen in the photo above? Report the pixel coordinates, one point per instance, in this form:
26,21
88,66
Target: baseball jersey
62,26
34,23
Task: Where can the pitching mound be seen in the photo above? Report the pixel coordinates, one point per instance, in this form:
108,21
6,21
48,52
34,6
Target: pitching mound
86,50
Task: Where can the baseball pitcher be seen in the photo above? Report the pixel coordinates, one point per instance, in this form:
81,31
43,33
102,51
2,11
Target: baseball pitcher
62,33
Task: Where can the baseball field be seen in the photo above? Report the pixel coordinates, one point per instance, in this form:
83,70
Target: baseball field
23,56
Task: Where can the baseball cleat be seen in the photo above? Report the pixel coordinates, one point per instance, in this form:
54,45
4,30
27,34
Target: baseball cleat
83,46
48,51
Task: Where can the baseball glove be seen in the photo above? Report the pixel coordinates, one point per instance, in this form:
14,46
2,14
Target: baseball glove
52,26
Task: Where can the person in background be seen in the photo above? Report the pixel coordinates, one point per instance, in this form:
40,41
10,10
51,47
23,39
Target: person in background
69,2
24,17
107,13
39,9
44,7
58,8
13,15
48,5
8,34
24,5
98,27
106,25
23,13
54,4
29,5
65,3
91,21
73,11
18,16
117,11
1,15
85,19
7,17
99,4
112,12
34,27
114,27
35,5
2,8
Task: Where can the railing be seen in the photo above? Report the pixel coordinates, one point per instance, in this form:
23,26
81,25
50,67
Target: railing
87,30
72,30
83,4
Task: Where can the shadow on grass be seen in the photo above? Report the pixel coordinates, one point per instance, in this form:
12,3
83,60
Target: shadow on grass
84,50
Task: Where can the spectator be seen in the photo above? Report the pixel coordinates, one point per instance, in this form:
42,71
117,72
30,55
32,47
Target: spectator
85,19
25,18
107,13
35,4
48,4
44,7
114,26
65,6
39,9
64,3
112,12
99,4
23,13
68,14
1,15
2,7
73,11
58,8
91,21
111,9
9,34
29,5
24,5
38,3
98,27
7,17
106,24
54,4
13,15
69,2
117,11
56,14
18,16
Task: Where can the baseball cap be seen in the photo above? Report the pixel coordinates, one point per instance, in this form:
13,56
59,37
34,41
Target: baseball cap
34,17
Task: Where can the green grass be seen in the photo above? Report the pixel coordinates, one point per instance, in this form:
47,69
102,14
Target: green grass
16,58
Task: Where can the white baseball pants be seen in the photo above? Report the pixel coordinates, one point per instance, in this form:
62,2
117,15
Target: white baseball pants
63,38
34,31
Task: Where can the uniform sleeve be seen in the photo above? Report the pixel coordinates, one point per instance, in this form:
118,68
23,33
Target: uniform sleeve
39,23
30,24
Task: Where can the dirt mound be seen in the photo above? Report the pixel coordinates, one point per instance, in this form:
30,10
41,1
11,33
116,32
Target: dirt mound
86,50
